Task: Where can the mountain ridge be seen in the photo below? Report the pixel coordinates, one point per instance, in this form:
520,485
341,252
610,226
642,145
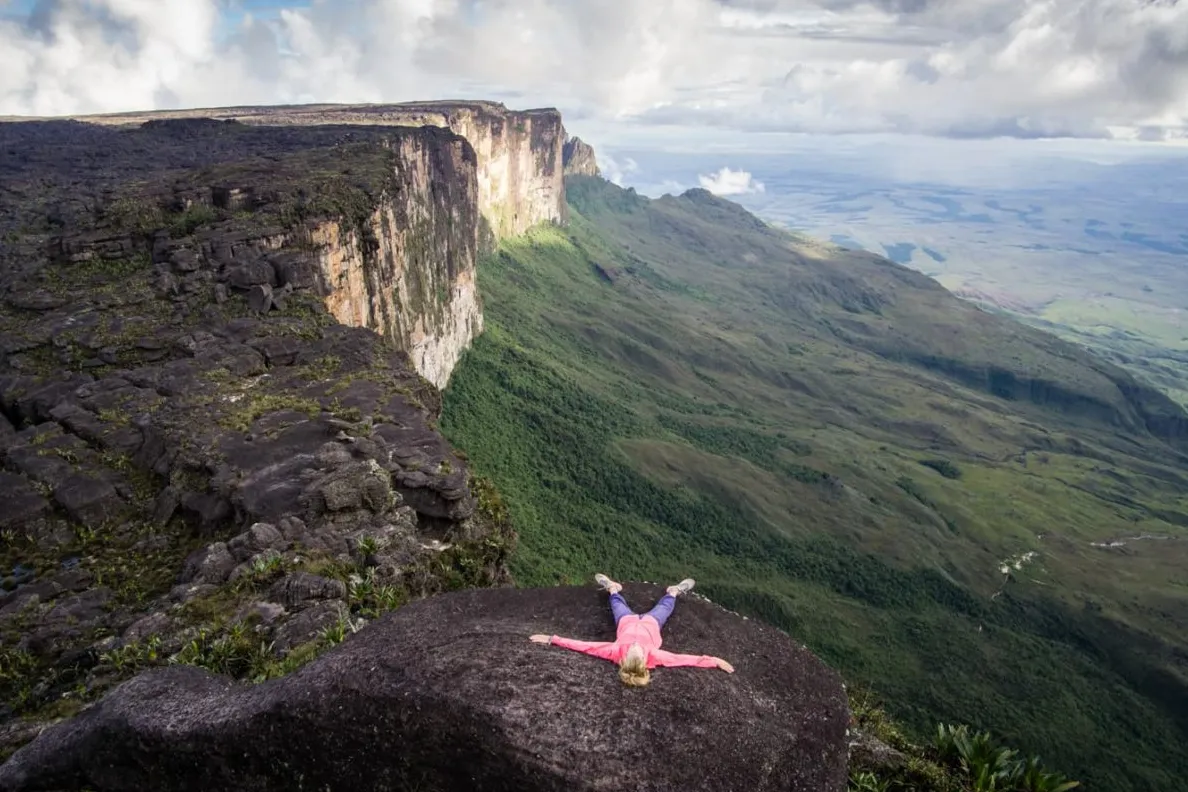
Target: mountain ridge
1158,413
668,383
723,411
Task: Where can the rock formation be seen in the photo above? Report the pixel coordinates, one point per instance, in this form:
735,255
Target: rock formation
198,456
520,171
579,158
448,693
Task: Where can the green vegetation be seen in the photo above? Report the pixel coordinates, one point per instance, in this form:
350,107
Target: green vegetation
956,759
943,466
988,766
742,406
256,405
225,643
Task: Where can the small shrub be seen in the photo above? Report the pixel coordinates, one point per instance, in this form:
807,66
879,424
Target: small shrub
869,782
132,657
265,569
943,466
368,546
336,633
191,219
238,653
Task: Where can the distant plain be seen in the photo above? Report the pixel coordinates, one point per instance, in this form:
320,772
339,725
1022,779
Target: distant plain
1090,243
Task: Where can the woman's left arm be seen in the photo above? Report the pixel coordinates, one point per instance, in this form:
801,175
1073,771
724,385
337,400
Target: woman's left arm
671,659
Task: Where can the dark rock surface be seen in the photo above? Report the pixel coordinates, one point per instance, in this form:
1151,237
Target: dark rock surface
182,421
869,753
448,694
579,158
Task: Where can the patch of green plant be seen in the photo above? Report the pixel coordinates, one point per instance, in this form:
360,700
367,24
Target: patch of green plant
370,598
943,466
866,781
140,216
254,405
586,406
20,673
264,570
990,767
238,652
321,369
135,655
186,222
336,633
368,546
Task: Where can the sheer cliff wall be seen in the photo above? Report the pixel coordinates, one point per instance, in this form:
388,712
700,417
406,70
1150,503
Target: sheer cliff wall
520,152
408,270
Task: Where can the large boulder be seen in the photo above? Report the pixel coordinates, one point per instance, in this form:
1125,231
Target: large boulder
448,694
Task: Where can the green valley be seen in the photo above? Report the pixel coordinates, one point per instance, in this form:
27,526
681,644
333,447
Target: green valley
979,521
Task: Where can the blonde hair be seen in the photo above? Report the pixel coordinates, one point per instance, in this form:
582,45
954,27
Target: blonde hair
633,668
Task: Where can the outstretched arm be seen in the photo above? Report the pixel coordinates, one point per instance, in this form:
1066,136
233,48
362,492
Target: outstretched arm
670,659
603,649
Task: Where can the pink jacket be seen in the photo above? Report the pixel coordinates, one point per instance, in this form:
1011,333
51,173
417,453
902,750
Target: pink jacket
643,630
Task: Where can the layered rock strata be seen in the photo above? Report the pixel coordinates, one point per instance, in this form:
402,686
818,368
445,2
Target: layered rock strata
520,153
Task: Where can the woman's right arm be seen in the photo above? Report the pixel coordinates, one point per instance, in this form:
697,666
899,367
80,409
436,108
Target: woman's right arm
603,649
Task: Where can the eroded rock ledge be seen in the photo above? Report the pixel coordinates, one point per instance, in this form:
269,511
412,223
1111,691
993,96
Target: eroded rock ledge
520,161
448,694
200,463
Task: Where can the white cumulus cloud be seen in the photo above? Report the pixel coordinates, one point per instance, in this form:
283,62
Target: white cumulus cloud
613,170
973,68
730,182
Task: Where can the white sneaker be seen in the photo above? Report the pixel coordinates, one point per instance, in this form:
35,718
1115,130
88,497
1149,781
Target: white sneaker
682,587
606,583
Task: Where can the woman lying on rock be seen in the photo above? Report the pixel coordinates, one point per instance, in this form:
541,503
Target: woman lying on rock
636,647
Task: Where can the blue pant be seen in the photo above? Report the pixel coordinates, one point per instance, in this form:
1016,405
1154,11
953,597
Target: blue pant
660,612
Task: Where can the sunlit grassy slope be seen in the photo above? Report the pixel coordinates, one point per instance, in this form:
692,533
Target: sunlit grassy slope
671,387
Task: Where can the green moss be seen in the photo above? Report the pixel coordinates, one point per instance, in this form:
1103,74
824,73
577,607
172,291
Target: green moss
190,219
135,215
321,369
254,405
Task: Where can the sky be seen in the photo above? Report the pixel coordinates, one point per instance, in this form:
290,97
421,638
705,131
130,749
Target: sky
707,71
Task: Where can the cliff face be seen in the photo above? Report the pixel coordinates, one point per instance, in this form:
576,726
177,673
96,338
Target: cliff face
197,457
520,172
520,157
408,270
579,158
397,258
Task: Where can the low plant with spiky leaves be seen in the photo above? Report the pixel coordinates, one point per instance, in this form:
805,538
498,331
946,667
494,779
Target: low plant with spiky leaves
869,782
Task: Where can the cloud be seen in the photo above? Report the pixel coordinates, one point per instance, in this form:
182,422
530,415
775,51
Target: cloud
613,170
974,68
730,182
